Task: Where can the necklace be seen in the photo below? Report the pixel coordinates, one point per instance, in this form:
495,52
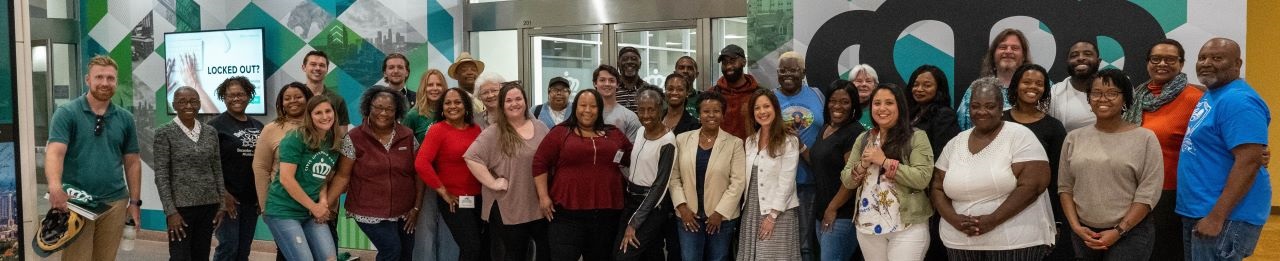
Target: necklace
706,138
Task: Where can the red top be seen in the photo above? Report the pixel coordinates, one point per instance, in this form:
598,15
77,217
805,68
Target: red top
736,110
1169,123
440,162
585,174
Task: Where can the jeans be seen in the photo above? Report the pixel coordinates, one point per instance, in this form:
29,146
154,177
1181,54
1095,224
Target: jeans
199,233
909,244
431,240
515,239
302,239
468,230
390,239
807,233
1236,241
99,239
1135,244
585,234
841,243
235,234
698,246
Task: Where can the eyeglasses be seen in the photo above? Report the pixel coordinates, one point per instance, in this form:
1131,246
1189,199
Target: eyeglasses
1164,59
99,125
1104,95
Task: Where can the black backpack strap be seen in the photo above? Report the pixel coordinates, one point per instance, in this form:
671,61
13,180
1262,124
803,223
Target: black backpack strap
537,110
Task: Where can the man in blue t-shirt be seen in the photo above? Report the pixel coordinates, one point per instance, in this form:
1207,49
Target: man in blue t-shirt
802,116
1224,194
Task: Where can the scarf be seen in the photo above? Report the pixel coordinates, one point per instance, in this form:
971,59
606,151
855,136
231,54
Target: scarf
1147,102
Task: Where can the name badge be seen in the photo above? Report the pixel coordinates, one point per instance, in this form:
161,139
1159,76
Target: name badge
617,158
467,202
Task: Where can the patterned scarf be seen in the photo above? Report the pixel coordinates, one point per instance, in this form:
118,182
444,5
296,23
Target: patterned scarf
1147,102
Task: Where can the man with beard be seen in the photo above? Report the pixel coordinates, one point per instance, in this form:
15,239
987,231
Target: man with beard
736,88
553,112
316,65
1007,52
395,71
91,143
605,79
629,83
1070,97
687,67
1224,190
802,110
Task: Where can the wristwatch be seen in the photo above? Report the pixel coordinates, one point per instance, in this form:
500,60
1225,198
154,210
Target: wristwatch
1120,230
135,202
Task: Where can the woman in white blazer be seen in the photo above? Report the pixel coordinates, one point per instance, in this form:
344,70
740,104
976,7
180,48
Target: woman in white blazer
771,222
706,184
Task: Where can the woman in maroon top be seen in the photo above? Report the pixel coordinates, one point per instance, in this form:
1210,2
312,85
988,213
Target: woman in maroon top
441,166
377,164
583,200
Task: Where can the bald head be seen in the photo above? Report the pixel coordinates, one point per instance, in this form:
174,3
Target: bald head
1219,62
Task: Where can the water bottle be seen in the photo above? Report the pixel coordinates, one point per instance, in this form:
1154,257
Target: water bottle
130,233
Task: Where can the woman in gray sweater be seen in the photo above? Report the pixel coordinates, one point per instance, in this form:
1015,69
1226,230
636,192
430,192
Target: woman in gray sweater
188,178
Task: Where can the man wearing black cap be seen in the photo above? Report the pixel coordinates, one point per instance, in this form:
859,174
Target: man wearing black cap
553,111
736,86
630,82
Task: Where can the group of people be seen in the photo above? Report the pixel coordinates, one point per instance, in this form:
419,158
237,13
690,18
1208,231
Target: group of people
1094,167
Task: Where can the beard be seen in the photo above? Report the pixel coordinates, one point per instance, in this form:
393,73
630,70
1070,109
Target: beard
732,78
1093,69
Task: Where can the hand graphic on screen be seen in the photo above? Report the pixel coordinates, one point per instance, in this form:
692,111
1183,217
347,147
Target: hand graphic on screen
191,73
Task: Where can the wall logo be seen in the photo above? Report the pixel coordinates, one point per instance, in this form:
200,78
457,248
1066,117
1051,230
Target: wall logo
971,21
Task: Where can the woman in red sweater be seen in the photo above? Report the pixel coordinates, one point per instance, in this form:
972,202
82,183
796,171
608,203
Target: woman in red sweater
583,199
441,166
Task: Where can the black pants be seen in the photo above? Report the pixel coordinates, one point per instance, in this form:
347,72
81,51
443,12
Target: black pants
671,232
199,231
467,229
511,242
235,234
1168,224
650,233
585,234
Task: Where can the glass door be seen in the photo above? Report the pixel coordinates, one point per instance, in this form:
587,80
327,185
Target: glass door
660,45
569,52
53,83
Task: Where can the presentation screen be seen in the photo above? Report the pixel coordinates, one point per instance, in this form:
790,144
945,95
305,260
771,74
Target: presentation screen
204,59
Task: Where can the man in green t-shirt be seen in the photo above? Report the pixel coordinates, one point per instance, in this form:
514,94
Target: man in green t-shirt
91,142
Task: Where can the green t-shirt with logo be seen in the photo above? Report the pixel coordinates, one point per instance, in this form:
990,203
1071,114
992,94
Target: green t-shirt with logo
314,166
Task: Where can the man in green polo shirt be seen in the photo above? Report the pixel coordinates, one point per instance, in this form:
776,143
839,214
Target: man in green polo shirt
91,142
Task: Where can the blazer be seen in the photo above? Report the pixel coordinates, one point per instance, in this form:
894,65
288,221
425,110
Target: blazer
775,176
725,180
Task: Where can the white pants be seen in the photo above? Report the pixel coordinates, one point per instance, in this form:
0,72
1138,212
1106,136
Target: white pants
909,244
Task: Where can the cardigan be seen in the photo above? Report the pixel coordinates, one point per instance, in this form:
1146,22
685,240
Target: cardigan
914,175
187,173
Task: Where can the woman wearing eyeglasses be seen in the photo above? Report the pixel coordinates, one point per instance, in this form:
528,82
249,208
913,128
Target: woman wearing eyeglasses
188,177
1110,177
377,173
1164,105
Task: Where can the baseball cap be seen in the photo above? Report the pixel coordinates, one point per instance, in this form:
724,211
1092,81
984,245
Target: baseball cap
731,49
560,80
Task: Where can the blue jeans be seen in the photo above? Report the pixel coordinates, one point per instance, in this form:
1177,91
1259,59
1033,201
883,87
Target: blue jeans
302,239
389,237
235,234
698,246
432,239
1236,241
840,243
